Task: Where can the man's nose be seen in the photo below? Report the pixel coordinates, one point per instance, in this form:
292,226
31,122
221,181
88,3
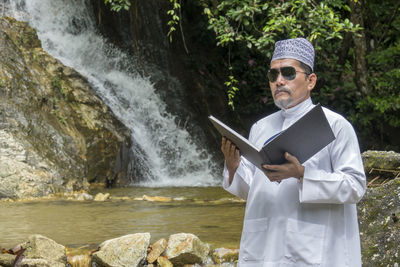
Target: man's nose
280,79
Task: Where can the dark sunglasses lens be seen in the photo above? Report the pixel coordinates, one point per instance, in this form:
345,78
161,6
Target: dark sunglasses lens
272,75
289,73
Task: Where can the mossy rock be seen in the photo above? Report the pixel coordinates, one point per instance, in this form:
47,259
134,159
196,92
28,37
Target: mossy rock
379,217
59,129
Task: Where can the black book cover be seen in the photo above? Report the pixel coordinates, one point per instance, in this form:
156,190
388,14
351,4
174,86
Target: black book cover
303,139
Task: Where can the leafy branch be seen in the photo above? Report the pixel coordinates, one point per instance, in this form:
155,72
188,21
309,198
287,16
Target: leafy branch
118,5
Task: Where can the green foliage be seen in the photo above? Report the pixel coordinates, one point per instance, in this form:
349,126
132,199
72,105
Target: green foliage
173,22
57,112
232,89
57,84
1,82
118,5
257,24
260,23
384,102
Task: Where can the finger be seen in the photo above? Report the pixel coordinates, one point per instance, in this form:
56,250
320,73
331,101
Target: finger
268,167
291,158
227,145
232,149
237,153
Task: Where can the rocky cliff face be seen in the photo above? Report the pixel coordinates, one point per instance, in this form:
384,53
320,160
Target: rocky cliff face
55,134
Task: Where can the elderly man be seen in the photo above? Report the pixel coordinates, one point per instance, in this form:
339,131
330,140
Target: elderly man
298,215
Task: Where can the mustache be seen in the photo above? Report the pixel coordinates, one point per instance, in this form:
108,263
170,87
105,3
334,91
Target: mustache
280,89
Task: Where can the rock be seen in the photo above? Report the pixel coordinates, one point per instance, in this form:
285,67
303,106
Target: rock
128,250
157,198
221,255
83,196
164,262
41,247
55,133
379,217
186,248
40,263
381,160
7,260
102,197
156,250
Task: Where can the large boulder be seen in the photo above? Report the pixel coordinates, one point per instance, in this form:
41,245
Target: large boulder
53,128
125,251
7,260
379,216
39,251
184,248
388,160
41,247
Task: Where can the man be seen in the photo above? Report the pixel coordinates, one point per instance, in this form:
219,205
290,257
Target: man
298,215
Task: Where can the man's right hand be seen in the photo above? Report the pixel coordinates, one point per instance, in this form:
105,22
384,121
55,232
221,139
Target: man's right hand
232,157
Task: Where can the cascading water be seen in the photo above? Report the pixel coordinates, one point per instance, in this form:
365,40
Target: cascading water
165,152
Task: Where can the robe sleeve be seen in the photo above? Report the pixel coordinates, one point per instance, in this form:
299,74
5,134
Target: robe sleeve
243,176
346,183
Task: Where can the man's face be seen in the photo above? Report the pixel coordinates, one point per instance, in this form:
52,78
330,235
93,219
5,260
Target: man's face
289,93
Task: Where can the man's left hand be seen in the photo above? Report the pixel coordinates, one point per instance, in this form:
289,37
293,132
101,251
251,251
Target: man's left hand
292,168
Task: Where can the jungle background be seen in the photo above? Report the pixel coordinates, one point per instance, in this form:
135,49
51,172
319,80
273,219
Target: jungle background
225,48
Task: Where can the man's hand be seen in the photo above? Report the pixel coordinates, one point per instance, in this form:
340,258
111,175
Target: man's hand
292,168
232,157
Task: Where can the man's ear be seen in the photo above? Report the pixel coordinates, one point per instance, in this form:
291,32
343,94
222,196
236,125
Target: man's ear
312,81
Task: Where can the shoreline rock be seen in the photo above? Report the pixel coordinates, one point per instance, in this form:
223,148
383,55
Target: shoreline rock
133,250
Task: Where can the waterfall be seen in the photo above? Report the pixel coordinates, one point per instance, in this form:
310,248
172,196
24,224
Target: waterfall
165,152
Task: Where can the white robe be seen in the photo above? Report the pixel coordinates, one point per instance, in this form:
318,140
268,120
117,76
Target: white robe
308,223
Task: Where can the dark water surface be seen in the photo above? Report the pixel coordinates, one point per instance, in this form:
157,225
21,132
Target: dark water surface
209,212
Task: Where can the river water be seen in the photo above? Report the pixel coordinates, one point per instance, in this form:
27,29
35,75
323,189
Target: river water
208,212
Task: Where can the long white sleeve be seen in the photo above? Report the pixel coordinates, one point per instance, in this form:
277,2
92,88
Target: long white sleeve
243,176
242,179
346,183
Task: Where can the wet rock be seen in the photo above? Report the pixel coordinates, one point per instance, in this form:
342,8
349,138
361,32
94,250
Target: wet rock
129,250
40,263
7,260
164,262
379,229
156,198
55,133
45,249
125,198
101,197
83,196
221,255
156,250
186,248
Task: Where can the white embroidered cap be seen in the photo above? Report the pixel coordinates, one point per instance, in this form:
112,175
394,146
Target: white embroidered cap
298,48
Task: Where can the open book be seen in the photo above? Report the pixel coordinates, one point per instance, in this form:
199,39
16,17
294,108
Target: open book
303,139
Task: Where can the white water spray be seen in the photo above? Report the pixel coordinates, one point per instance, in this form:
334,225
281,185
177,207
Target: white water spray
168,152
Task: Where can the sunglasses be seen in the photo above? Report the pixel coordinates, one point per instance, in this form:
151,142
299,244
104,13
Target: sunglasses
289,73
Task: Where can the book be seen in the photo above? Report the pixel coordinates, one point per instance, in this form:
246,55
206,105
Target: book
303,139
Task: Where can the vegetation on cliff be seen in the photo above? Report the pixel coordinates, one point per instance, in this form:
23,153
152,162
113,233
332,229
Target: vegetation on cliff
357,45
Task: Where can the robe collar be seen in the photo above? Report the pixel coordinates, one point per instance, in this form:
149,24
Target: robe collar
298,110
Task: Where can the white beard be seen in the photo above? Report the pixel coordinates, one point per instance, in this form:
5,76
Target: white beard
290,101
